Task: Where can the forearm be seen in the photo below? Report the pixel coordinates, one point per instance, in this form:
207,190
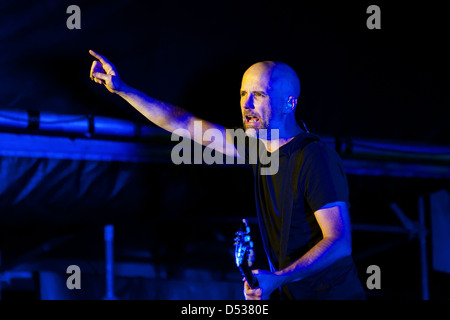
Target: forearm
171,118
322,255
164,115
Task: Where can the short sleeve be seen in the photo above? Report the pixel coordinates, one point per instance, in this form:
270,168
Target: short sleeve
322,178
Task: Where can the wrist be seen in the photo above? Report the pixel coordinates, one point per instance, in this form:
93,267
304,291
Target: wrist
286,276
283,277
123,89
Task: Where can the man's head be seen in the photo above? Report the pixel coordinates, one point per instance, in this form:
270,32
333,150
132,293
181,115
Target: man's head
269,93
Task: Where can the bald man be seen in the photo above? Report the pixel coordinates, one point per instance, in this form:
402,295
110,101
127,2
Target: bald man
302,208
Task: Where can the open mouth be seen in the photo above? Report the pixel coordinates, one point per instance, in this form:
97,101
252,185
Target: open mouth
251,119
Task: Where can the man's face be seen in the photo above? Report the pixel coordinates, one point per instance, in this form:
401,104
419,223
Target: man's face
259,100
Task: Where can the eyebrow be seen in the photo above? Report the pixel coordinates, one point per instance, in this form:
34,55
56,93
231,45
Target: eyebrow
255,91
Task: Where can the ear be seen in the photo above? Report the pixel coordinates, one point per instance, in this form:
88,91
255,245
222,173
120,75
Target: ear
291,104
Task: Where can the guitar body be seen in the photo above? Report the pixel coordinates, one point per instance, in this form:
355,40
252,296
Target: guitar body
244,254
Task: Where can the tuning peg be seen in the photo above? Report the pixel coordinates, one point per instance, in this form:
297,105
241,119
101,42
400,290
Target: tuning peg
250,258
251,255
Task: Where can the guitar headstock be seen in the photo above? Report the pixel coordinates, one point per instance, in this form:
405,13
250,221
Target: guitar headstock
243,245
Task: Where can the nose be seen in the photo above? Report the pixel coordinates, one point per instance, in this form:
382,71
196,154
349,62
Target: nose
247,102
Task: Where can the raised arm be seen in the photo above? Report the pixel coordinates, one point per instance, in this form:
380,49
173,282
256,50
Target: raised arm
164,115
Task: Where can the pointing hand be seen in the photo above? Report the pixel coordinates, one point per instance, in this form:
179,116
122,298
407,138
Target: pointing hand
104,72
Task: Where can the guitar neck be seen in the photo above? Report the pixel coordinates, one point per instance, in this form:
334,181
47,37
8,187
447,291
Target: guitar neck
244,254
248,275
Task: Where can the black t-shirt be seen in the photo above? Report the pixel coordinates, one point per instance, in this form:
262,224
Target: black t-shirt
316,177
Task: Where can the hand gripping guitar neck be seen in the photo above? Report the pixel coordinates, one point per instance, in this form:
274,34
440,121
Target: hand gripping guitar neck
244,254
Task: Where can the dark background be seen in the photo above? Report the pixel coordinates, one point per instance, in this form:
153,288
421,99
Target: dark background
389,84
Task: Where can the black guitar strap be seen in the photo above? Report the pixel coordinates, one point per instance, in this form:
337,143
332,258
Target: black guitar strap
288,194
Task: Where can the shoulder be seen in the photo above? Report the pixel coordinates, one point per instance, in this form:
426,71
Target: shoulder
318,147
319,154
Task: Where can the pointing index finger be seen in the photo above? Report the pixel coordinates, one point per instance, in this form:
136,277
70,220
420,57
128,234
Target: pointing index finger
102,59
